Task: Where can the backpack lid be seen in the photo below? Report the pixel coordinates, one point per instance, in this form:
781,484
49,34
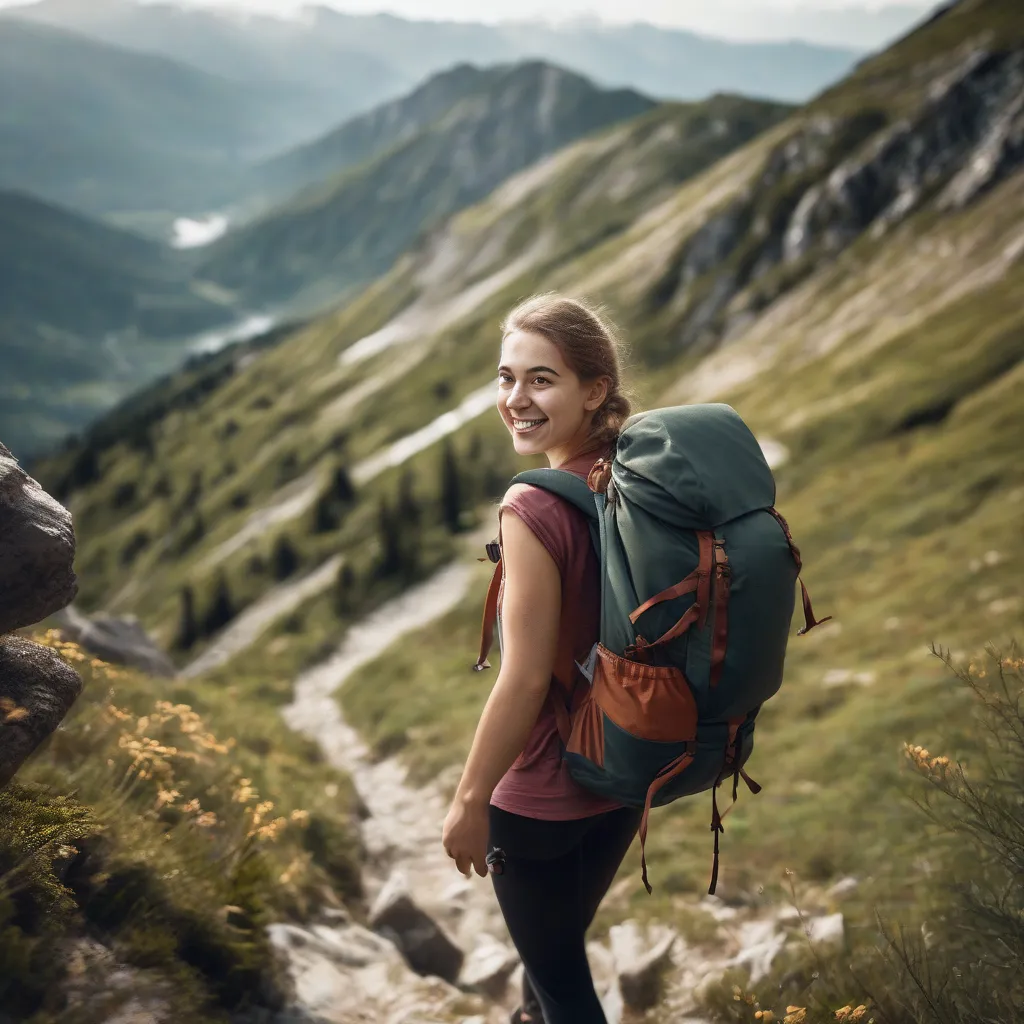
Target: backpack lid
694,466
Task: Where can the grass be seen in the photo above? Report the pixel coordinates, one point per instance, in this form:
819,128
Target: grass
163,826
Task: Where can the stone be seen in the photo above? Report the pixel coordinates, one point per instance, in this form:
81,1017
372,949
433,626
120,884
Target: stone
828,931
37,688
843,887
488,968
426,947
760,943
641,962
121,641
37,549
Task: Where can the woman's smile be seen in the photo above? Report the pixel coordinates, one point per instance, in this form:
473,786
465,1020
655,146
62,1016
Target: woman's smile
524,426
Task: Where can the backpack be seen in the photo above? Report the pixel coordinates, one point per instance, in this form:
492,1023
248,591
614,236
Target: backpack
698,576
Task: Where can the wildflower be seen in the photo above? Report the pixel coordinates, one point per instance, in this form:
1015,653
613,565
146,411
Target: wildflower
795,1015
192,807
300,817
15,715
207,819
166,796
244,793
765,1015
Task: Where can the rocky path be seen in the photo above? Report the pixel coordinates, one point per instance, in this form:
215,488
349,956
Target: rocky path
425,915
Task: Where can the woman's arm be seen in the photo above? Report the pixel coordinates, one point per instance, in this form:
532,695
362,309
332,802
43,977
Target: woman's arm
530,615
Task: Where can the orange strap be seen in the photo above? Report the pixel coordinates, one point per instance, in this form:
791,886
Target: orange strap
490,618
809,620
669,772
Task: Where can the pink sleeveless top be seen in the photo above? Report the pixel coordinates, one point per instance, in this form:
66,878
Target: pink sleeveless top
538,784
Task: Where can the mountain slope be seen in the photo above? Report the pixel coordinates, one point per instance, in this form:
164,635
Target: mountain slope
352,228
78,302
104,129
357,61
849,280
372,133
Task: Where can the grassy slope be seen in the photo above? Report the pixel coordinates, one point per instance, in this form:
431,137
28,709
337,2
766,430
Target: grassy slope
895,521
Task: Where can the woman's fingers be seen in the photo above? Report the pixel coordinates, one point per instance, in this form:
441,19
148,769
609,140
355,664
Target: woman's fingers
464,863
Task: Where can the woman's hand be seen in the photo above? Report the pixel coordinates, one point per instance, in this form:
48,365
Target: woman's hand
465,834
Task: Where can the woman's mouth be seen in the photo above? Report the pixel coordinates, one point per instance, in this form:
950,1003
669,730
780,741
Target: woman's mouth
525,426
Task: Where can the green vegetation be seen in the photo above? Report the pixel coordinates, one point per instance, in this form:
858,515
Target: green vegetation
172,831
87,313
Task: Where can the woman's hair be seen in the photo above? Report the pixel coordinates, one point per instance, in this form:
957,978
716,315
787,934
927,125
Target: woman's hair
589,344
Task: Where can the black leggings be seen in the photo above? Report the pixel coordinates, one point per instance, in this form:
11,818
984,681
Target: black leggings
554,876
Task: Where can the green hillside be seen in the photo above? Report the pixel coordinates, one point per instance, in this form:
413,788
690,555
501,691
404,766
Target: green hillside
349,229
86,314
848,279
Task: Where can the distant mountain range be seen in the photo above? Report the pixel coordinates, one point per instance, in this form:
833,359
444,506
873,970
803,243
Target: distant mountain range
107,130
347,63
448,145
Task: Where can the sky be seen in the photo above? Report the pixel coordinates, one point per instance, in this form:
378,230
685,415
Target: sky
855,22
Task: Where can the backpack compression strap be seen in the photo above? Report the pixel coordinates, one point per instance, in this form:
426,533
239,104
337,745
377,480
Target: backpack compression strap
809,620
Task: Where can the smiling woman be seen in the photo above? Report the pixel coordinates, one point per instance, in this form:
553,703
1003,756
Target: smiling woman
517,809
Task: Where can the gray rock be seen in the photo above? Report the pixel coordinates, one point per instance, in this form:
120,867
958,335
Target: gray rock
640,963
121,641
488,968
37,549
37,687
828,932
423,943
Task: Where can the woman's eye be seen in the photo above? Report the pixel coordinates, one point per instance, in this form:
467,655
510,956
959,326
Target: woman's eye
541,380
503,378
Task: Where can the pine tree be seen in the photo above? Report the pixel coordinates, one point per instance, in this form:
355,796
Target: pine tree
188,632
285,559
222,608
451,488
344,590
409,512
390,531
341,486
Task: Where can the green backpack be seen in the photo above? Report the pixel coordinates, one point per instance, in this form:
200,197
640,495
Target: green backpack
698,575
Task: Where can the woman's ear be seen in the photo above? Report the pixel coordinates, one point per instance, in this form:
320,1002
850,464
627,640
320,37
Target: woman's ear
596,394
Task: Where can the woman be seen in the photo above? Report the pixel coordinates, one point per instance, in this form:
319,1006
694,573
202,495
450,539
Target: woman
560,394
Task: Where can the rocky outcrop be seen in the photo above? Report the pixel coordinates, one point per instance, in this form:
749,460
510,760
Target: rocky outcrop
423,943
121,641
37,549
37,688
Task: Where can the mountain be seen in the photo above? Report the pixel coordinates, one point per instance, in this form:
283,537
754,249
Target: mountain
372,133
104,129
87,314
353,227
348,63
849,280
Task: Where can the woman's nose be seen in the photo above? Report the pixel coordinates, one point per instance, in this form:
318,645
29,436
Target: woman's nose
517,399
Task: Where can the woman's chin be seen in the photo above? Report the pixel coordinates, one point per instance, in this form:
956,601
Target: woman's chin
528,444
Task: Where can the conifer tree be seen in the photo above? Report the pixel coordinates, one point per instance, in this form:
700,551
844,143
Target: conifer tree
451,488
188,632
222,608
284,559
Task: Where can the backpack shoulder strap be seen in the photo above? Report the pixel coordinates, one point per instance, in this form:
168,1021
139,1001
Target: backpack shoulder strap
564,484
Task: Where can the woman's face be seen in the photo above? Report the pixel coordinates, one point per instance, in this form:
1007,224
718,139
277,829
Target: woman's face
545,406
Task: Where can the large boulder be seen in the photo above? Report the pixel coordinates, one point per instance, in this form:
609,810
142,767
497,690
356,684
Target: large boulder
37,688
37,549
641,961
121,641
422,941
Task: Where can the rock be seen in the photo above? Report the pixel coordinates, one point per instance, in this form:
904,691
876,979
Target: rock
348,946
37,688
121,641
828,931
640,962
425,946
760,943
37,549
488,968
843,887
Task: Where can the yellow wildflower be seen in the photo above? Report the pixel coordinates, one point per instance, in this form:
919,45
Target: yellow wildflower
300,817
166,796
192,807
795,1015
207,819
765,1015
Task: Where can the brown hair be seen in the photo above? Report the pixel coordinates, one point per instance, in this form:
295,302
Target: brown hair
590,345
